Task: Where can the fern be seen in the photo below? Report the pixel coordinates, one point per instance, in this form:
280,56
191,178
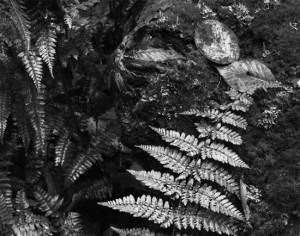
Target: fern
34,66
46,47
63,149
135,232
80,165
71,225
162,213
4,111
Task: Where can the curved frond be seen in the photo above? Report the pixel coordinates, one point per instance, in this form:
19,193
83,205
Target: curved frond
34,66
6,211
187,143
80,165
46,47
220,152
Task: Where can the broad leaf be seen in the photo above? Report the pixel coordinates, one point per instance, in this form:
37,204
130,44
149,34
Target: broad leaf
217,42
246,74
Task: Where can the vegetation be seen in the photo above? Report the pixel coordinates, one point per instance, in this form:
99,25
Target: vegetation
83,80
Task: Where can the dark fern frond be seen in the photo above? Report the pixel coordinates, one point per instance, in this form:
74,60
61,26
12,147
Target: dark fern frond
34,66
98,190
48,204
15,10
46,47
80,165
6,212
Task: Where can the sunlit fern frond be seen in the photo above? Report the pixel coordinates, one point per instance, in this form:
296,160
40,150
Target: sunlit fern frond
34,66
80,165
47,203
63,149
136,232
71,225
226,117
182,217
204,195
187,143
29,223
218,132
170,158
220,152
35,107
46,47
5,109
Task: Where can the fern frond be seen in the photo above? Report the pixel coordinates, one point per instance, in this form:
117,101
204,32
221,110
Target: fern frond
136,232
219,132
170,158
34,66
80,165
48,204
190,216
6,211
182,217
63,149
31,224
4,111
215,173
227,117
23,122
187,143
98,190
46,47
204,195
71,225
146,207
35,107
20,20
220,152
264,86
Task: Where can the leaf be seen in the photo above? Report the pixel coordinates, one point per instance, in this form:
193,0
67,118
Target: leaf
244,198
4,111
156,54
246,75
217,42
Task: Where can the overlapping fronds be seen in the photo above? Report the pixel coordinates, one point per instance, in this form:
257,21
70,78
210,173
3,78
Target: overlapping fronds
5,110
188,191
80,165
71,225
48,204
34,66
46,47
63,149
182,217
187,143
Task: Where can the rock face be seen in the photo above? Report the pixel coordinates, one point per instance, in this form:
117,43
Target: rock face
217,42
